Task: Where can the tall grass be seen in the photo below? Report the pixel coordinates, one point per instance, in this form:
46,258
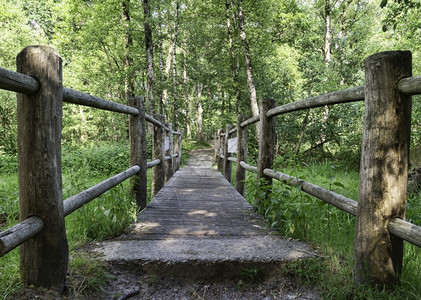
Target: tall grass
105,217
331,231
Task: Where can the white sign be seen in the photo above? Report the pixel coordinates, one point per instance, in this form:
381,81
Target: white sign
232,145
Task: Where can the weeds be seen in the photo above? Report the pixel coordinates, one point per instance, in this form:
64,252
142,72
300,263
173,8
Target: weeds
298,215
106,216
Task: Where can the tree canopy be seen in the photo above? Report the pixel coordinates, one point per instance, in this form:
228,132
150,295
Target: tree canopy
192,60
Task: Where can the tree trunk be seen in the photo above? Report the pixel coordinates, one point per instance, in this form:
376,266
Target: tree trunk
150,83
128,60
199,124
174,65
186,96
328,34
249,72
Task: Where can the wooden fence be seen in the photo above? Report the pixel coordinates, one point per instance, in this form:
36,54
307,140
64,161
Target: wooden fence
380,210
41,231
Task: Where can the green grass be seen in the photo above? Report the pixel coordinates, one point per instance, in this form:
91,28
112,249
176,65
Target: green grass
105,217
297,215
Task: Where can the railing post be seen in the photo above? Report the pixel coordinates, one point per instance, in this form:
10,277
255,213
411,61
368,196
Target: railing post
220,151
158,172
240,173
138,153
44,258
169,164
266,144
383,170
227,163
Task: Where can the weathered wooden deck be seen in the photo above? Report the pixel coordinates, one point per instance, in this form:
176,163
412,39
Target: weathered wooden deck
198,225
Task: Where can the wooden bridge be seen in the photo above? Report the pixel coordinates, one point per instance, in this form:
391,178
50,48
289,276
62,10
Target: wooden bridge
199,226
197,219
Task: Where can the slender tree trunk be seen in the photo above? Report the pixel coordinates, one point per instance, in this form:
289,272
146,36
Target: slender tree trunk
149,57
199,124
328,33
174,66
235,67
186,96
128,61
305,122
249,72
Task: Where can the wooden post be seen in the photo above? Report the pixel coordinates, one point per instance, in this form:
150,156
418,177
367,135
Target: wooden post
240,173
220,150
169,164
384,169
266,144
158,173
138,153
227,163
44,258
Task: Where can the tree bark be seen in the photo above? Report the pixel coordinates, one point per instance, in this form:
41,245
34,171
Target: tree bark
249,71
150,82
174,64
235,68
128,60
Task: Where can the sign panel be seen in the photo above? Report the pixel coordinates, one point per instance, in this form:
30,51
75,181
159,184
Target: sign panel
232,145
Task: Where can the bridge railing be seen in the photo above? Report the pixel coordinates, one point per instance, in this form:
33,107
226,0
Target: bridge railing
41,231
380,210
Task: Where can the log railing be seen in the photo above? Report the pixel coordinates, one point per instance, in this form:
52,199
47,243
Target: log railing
41,232
380,210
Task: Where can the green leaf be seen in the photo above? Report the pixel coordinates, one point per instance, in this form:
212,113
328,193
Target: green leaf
339,184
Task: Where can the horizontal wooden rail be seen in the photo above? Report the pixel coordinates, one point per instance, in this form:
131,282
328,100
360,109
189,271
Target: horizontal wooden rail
410,85
20,233
339,201
232,159
18,82
153,163
234,130
349,95
250,121
152,120
76,97
405,230
248,167
73,203
167,158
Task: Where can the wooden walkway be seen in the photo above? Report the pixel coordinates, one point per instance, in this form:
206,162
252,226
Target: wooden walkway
198,225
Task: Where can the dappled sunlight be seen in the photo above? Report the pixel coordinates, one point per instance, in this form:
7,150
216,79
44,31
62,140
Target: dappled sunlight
202,212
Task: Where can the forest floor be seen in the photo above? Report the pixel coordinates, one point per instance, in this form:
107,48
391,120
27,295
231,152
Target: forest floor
123,283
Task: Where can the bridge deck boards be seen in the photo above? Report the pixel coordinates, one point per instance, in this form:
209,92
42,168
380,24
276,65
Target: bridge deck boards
196,221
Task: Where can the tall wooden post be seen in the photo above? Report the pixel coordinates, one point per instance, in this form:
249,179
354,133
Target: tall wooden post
240,172
266,143
169,164
227,163
384,169
44,258
220,150
138,153
158,172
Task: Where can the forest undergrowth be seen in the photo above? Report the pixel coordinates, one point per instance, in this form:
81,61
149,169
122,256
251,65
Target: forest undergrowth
295,214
